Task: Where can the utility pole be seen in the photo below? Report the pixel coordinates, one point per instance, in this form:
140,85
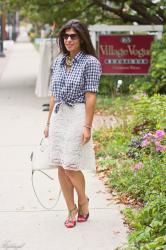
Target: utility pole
1,33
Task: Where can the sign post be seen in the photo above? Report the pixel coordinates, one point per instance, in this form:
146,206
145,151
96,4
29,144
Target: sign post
125,54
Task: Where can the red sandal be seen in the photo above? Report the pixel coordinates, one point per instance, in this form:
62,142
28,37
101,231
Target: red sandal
71,222
81,216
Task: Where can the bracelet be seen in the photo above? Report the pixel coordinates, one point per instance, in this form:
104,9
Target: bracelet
87,126
47,124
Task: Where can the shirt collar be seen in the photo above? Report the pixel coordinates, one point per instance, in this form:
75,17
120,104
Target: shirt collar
77,57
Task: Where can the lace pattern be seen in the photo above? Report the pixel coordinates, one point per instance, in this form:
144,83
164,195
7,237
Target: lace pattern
65,136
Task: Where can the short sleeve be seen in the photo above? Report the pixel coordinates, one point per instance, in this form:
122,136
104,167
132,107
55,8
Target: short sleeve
52,81
92,75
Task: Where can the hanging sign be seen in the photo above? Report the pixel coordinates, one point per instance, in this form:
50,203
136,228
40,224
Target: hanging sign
125,54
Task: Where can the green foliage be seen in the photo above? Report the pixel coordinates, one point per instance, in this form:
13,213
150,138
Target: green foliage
122,11
48,11
143,109
109,84
118,145
158,69
119,106
142,183
155,82
151,110
150,225
140,175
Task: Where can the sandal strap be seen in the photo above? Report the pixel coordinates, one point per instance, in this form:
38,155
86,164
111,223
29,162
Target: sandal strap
70,211
83,204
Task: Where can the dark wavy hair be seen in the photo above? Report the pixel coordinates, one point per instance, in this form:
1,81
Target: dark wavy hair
81,29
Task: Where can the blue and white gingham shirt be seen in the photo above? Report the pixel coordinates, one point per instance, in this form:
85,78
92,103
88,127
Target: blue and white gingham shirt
69,87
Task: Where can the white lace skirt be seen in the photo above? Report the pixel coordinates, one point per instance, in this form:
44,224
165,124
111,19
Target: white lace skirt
65,135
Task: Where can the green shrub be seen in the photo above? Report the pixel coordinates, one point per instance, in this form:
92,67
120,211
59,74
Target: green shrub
134,159
149,225
151,111
109,85
155,82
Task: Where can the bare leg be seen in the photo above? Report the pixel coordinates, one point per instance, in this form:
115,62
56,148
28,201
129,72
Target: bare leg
78,181
67,188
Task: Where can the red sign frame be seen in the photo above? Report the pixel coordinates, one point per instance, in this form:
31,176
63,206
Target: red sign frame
125,54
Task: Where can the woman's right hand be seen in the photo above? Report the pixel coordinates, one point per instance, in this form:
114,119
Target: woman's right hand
46,131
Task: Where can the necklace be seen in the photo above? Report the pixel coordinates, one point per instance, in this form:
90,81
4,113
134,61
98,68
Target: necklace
68,61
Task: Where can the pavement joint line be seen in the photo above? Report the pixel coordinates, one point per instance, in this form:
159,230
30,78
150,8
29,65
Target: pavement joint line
48,210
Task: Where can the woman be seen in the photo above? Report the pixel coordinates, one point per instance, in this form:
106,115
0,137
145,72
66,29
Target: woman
75,80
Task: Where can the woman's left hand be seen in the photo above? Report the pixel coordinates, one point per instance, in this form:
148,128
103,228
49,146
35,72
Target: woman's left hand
86,135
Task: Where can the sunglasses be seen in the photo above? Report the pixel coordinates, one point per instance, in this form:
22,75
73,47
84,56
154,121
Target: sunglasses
72,36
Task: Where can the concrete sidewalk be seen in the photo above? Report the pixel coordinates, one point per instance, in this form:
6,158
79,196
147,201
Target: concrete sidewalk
23,223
